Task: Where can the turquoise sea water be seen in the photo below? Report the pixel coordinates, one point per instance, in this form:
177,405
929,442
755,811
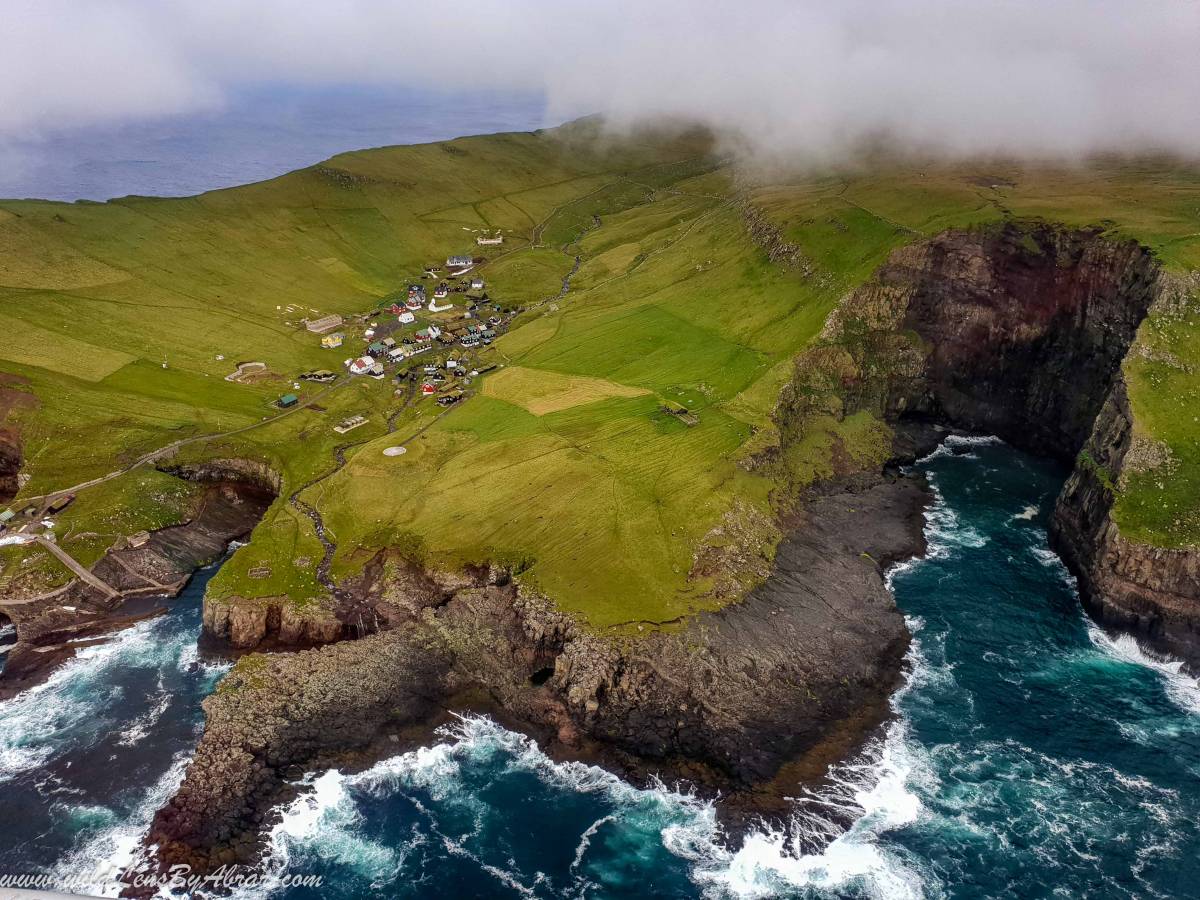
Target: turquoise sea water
1031,755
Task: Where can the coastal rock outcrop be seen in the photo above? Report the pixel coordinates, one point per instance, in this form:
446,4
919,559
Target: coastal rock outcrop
1020,330
273,716
51,627
1151,591
727,699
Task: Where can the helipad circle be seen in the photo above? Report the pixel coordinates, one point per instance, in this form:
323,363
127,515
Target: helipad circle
394,451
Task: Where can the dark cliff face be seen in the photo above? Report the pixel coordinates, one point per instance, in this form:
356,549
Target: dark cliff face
1151,591
1020,331
10,463
1026,327
725,701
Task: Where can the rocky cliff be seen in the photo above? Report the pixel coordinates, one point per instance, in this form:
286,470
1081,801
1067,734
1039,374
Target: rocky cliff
1020,330
726,700
1150,591
10,463
1017,330
51,627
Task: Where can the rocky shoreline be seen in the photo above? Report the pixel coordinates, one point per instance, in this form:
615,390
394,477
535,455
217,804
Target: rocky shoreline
51,628
1002,318
725,701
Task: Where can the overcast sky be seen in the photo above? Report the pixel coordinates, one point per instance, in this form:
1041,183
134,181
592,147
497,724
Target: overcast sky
809,79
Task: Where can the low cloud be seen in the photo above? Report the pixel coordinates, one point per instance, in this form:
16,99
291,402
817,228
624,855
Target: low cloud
808,80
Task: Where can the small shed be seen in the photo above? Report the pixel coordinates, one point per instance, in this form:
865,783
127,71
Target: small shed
288,400
58,504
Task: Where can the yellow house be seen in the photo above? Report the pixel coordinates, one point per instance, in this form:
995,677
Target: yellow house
331,341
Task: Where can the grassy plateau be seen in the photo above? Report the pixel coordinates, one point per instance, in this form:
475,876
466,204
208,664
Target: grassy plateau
568,457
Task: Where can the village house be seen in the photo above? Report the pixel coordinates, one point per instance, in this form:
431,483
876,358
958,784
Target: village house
477,284
459,262
332,341
428,389
361,366
441,291
287,400
376,348
324,324
489,241
428,334
406,318
415,303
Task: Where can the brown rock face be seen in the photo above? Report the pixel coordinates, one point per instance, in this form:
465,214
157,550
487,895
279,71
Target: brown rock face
1020,331
276,713
10,463
156,568
727,700
1153,592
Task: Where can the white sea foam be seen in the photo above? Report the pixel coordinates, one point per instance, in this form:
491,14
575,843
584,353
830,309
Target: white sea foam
954,443
139,728
72,703
944,531
103,856
816,851
1027,514
1183,689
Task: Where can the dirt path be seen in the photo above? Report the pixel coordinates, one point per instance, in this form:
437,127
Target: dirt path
175,445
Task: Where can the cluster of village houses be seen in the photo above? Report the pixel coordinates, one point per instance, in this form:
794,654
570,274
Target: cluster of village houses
478,324
396,337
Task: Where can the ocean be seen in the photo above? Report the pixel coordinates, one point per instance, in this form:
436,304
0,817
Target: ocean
1030,755
260,133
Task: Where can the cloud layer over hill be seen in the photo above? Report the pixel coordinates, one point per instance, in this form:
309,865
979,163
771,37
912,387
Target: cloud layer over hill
808,79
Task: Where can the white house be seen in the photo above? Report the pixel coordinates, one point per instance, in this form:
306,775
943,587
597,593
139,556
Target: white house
362,365
460,262
489,241
477,284
406,318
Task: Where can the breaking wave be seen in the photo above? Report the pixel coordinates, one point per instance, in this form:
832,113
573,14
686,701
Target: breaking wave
1180,686
830,844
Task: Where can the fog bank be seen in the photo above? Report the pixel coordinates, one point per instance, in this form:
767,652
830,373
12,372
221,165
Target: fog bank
805,80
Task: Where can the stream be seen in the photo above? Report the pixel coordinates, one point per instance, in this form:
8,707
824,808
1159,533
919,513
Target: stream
1030,755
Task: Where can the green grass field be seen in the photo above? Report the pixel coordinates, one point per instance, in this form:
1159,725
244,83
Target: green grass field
564,461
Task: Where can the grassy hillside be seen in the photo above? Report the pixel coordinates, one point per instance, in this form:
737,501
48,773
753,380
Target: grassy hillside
566,459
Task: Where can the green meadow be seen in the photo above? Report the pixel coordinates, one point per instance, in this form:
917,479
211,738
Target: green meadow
123,318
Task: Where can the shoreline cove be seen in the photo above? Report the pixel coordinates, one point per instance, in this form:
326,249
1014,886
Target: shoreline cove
880,825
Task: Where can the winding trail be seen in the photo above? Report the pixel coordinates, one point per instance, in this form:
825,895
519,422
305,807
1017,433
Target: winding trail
175,445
